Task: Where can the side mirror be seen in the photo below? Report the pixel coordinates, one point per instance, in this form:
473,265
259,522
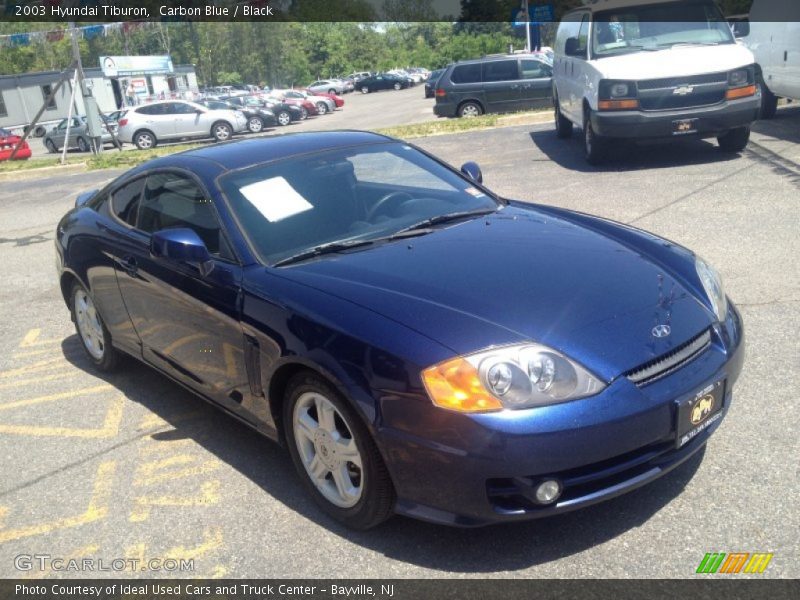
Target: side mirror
740,28
473,171
182,245
572,47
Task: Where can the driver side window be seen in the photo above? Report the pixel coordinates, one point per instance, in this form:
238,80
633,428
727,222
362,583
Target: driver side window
174,201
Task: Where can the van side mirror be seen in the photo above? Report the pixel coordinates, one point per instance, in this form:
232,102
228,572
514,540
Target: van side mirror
740,28
182,245
473,171
573,47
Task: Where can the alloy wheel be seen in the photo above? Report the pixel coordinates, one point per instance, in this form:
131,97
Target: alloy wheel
255,125
284,118
221,132
328,450
89,325
144,141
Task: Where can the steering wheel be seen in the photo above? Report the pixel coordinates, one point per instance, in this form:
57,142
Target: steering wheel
388,200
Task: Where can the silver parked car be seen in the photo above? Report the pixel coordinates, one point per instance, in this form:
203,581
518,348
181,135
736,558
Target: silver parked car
147,125
327,86
78,137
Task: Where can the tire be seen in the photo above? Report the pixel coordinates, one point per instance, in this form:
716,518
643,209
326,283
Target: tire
362,496
303,113
221,131
39,131
51,147
331,91
397,86
470,109
83,145
563,125
734,140
322,108
255,125
594,147
144,140
283,118
92,331
365,90
769,103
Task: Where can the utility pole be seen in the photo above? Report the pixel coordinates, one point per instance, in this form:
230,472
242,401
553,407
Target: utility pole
527,26
94,125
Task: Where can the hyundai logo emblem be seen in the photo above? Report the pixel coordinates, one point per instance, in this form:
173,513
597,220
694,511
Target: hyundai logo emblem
661,331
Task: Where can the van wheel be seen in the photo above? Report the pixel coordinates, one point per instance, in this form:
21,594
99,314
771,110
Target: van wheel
470,109
563,125
769,103
734,140
594,146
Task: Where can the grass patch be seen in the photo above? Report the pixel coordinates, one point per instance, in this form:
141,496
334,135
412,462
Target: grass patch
114,159
445,126
8,166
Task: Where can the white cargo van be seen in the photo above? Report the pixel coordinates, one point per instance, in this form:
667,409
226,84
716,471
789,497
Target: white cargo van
652,69
773,35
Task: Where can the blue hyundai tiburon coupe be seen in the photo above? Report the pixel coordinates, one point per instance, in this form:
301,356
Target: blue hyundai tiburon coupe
420,345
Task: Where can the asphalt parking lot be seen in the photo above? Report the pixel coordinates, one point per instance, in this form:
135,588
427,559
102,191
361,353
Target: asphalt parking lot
360,111
132,466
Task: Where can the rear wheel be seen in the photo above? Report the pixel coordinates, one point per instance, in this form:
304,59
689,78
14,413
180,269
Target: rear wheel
322,108
331,91
51,147
334,454
144,140
397,86
470,109
364,90
769,103
734,140
83,145
92,331
563,125
303,113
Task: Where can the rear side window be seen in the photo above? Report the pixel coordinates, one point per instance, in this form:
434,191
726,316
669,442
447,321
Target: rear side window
125,201
153,109
466,74
534,69
500,70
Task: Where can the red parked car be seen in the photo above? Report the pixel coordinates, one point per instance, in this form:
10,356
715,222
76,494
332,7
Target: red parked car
309,107
9,141
335,97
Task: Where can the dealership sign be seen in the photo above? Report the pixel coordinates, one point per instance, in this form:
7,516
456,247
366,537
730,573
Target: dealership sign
122,66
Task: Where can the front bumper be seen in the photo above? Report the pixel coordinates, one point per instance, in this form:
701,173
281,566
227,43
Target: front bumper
711,120
475,470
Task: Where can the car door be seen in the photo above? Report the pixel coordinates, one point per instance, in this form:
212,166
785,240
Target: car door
188,121
76,130
536,83
158,120
58,134
564,61
188,323
501,85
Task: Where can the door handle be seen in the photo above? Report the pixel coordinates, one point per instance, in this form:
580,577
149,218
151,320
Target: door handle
129,265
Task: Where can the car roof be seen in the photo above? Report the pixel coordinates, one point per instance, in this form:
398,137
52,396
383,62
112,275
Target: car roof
254,151
603,5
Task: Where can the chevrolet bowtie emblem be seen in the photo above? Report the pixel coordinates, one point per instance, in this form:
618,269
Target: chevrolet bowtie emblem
683,90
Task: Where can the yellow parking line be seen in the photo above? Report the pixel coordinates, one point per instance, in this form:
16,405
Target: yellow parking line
32,339
212,540
109,429
39,366
21,382
97,509
206,467
53,397
209,494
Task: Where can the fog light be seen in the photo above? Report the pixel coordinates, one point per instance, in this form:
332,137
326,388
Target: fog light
548,491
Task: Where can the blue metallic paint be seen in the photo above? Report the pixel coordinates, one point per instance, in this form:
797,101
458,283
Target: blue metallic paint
371,320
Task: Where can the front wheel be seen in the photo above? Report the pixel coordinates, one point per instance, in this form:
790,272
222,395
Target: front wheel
283,118
303,113
364,90
331,91
563,125
51,147
221,132
397,86
322,108
769,103
255,125
594,146
334,454
734,140
83,145
92,331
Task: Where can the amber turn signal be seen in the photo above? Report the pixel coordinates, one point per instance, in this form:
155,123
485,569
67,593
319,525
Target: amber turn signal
618,104
741,92
455,384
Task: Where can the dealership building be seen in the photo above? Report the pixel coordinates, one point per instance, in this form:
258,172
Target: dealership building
151,78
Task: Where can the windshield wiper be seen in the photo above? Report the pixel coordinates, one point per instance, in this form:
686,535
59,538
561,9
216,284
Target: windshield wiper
333,247
673,44
439,219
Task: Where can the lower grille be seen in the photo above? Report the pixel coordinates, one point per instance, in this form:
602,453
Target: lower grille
667,363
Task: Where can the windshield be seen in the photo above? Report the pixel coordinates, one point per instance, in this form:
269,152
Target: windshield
344,195
658,26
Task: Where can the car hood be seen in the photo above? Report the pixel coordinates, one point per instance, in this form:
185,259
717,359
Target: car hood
519,275
679,61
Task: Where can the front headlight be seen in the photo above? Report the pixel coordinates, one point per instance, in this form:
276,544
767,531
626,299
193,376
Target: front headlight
712,284
520,376
738,78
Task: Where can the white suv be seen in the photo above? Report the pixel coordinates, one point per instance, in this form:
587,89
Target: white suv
642,69
149,124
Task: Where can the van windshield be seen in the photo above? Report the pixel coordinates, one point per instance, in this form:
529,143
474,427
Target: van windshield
657,27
